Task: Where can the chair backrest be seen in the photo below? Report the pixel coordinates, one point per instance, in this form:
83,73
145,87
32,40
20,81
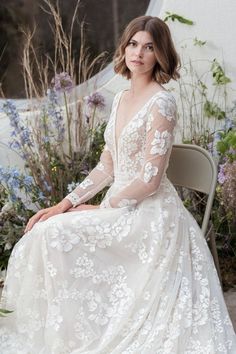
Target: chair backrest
193,167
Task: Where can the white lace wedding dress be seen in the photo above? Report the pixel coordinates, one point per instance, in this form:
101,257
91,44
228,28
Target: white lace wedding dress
132,277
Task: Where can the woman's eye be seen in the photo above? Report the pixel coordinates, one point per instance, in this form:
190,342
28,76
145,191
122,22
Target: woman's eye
149,47
132,44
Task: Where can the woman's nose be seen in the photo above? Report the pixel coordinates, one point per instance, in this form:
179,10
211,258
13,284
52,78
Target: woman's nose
139,51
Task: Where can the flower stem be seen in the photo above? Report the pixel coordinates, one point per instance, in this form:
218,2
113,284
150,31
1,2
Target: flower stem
92,125
68,125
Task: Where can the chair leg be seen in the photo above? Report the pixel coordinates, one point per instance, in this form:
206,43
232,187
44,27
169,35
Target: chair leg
214,253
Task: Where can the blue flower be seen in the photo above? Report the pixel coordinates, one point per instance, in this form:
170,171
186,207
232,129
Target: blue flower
55,112
21,134
41,196
47,186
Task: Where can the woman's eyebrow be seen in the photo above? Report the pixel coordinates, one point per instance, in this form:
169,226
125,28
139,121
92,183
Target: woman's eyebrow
133,40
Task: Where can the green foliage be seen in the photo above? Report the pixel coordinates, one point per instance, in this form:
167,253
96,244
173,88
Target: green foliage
4,312
227,145
181,19
218,74
198,42
211,109
201,109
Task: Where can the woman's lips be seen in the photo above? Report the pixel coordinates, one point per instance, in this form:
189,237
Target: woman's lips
136,62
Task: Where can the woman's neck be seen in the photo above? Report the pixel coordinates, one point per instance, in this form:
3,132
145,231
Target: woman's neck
141,84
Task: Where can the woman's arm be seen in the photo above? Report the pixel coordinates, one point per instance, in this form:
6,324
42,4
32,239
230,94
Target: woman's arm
98,178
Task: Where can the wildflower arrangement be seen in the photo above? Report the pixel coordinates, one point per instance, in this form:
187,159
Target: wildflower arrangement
59,142
55,159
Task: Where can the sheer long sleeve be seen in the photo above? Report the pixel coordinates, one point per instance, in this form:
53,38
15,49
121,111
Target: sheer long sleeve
159,139
98,178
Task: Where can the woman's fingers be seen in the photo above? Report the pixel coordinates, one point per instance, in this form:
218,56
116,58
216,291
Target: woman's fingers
45,214
35,219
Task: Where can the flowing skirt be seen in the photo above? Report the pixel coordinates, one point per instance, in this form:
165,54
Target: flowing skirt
132,280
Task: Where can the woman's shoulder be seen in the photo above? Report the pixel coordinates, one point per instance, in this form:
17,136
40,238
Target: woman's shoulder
165,95
166,103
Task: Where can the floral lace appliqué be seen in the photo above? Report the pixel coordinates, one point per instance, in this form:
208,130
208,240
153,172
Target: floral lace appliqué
127,202
161,142
100,166
86,183
166,106
149,172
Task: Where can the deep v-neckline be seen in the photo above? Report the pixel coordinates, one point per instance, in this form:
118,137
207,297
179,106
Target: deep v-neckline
117,139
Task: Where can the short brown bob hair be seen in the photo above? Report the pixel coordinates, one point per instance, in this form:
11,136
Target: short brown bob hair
168,62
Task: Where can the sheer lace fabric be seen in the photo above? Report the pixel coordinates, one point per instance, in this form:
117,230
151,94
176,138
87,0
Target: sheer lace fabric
133,277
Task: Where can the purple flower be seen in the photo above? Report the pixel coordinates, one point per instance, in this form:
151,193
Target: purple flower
95,100
221,174
62,82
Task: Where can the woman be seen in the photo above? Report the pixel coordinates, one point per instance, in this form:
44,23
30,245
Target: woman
133,275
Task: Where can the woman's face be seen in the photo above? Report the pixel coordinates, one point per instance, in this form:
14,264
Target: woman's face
139,54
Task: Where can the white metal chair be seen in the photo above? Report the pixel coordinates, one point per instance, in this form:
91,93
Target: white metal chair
193,167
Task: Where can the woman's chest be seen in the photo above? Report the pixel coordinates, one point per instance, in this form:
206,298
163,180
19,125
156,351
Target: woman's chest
127,136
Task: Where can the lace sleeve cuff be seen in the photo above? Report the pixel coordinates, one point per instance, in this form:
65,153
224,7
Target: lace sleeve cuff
73,198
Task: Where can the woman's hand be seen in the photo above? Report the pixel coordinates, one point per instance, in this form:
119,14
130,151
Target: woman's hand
44,214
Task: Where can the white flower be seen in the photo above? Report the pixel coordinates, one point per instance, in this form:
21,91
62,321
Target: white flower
72,186
149,172
161,142
6,207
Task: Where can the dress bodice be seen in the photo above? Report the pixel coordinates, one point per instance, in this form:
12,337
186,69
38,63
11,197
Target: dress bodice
128,149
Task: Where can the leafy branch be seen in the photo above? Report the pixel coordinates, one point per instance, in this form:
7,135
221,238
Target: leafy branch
181,19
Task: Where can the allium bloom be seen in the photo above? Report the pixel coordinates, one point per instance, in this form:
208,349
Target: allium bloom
95,100
62,82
